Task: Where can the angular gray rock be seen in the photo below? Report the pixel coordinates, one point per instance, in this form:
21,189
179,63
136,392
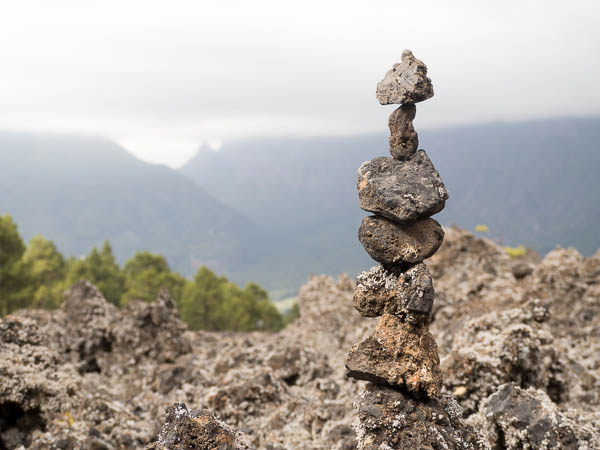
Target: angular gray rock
390,419
395,244
406,82
404,140
399,354
199,429
407,294
514,418
403,191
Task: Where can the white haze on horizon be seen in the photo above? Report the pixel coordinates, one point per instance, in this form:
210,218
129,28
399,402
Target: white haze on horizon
161,78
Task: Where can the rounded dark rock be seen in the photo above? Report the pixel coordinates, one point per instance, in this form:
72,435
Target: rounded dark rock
403,191
392,243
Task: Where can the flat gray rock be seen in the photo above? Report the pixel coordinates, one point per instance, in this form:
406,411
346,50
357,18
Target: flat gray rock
408,294
406,82
395,244
403,191
404,140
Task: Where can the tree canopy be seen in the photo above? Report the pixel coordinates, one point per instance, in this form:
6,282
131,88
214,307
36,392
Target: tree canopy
37,275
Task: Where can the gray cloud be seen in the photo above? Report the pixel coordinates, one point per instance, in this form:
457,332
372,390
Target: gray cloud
161,77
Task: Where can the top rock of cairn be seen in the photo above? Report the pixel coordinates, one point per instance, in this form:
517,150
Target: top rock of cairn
405,83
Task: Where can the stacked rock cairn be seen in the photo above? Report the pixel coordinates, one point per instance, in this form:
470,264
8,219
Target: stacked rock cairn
402,192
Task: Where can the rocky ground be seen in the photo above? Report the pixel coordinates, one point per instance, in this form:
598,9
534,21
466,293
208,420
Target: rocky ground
518,339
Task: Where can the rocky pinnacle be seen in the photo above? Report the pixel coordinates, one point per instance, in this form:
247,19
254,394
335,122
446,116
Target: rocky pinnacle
402,192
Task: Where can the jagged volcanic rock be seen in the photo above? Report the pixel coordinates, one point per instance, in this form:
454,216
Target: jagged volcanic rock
407,294
501,347
395,244
406,82
404,140
390,419
399,354
514,418
403,191
199,429
307,402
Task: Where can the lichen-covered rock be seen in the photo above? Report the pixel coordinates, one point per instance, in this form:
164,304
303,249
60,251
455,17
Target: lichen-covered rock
391,243
500,347
152,330
404,140
389,419
408,294
34,389
403,191
406,82
514,418
88,337
399,354
199,429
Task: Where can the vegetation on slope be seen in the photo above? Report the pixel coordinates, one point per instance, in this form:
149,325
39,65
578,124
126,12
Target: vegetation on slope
37,275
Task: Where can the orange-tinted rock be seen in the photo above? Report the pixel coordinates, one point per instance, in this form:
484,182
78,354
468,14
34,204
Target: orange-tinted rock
399,354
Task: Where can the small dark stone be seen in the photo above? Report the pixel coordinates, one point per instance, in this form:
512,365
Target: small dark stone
391,243
403,191
521,269
404,140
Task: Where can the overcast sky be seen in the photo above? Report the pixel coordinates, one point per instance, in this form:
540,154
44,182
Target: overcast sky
163,77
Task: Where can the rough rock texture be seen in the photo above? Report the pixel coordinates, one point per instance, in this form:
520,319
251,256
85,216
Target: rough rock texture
390,243
511,346
199,429
288,390
399,354
404,140
389,419
33,391
407,294
403,191
514,418
406,82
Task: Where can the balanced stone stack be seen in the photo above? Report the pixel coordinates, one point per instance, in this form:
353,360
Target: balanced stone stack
402,192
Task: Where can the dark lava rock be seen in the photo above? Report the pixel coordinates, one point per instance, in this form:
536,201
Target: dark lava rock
515,418
390,419
403,191
404,140
199,429
498,348
395,244
398,354
406,82
521,269
407,294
